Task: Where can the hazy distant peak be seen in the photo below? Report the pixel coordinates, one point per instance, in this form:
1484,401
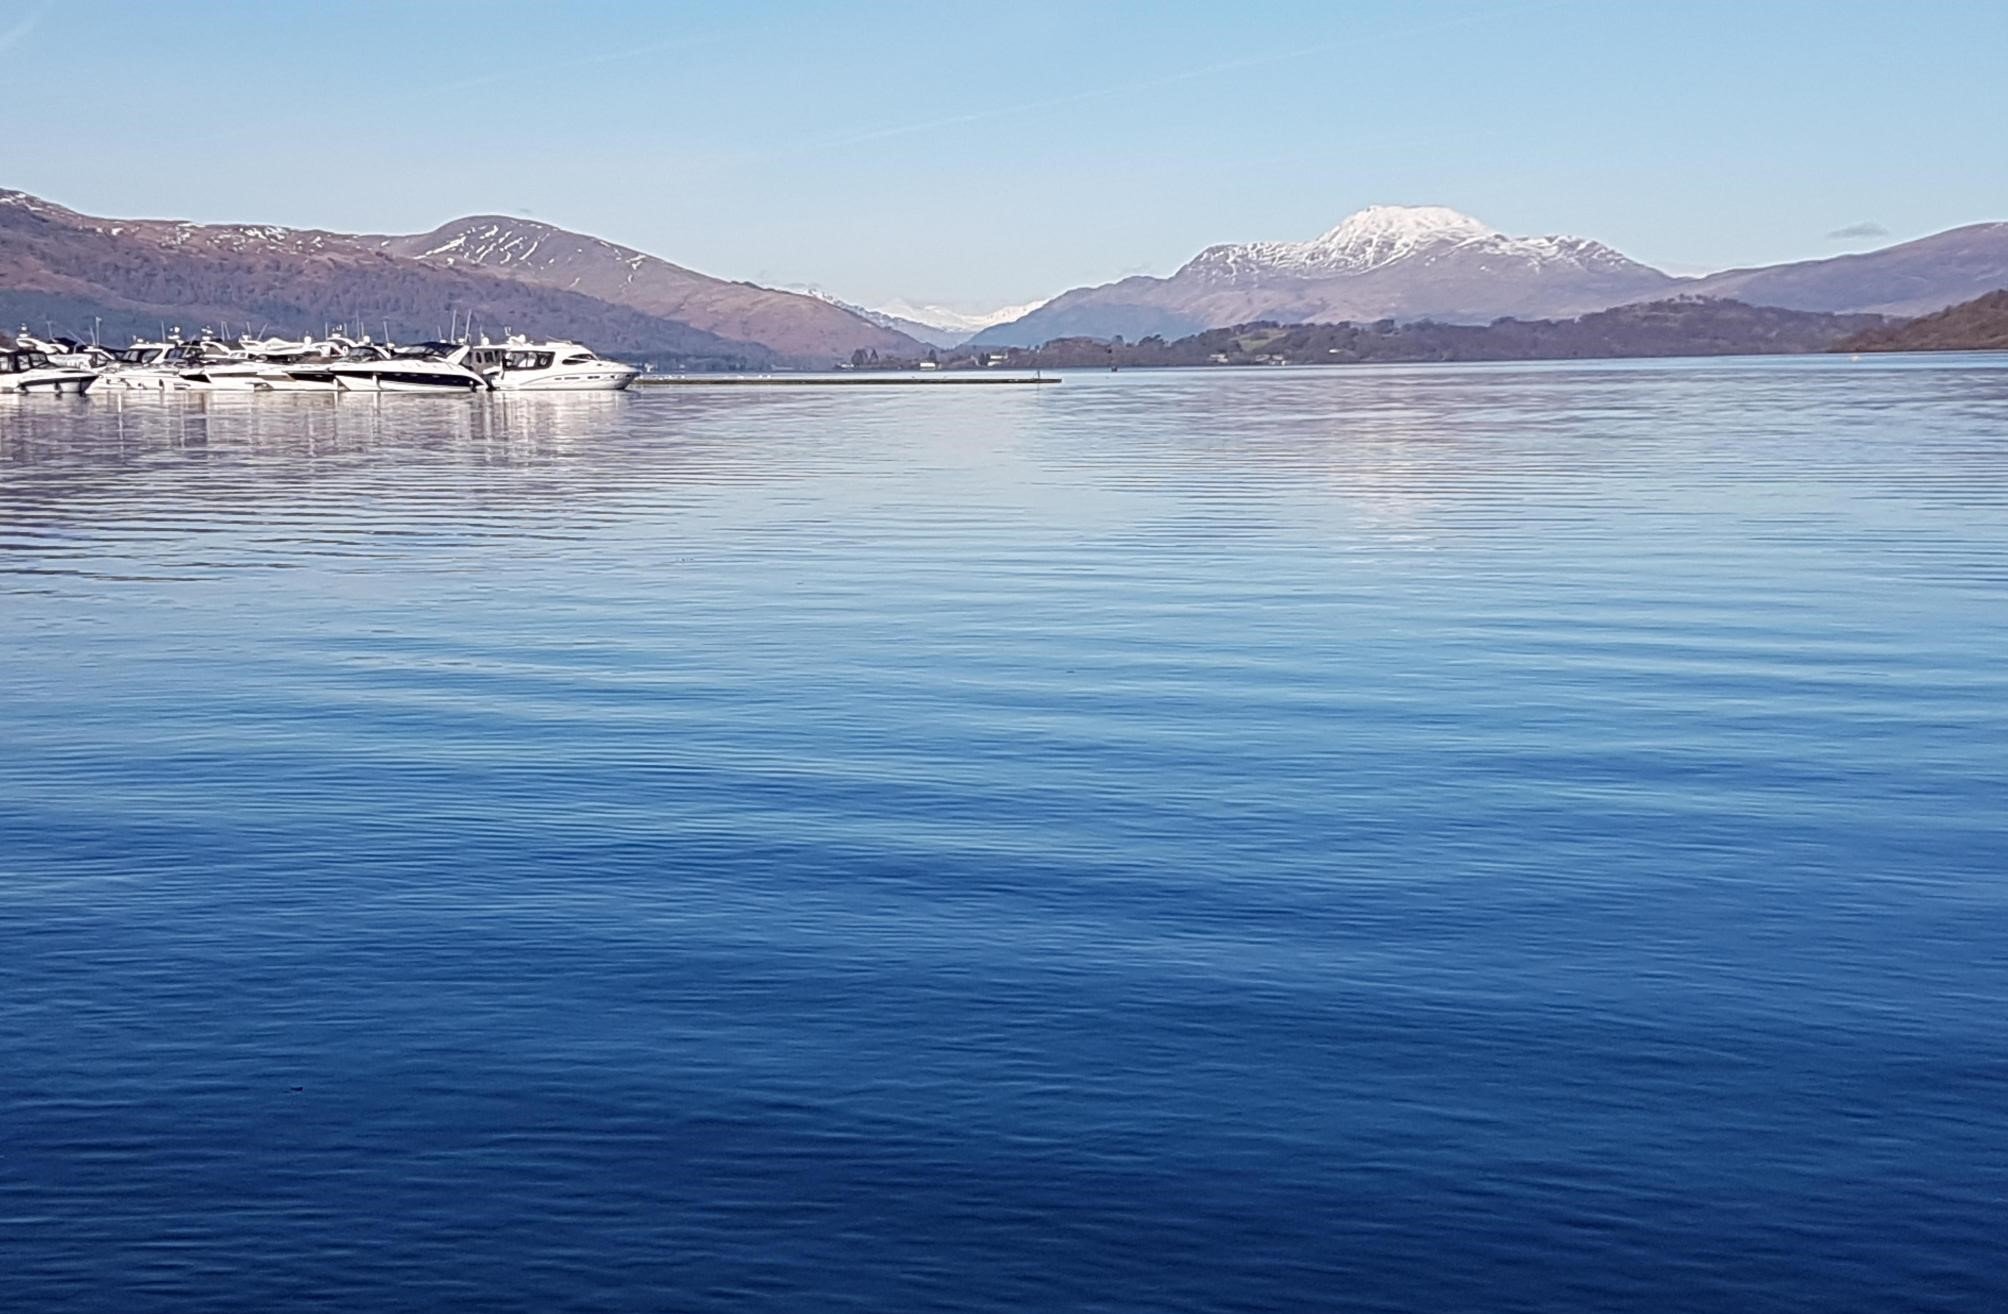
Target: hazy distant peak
938,326
943,317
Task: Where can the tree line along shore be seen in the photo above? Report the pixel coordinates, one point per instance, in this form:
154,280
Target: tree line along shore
1677,326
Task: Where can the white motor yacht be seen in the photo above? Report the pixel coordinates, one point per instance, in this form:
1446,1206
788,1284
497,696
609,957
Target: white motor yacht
275,365
65,353
208,365
520,365
160,366
24,369
427,367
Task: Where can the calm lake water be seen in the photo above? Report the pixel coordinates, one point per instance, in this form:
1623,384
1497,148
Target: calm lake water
1436,838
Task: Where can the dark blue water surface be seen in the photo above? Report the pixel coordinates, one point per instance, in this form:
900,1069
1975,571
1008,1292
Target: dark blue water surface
1509,838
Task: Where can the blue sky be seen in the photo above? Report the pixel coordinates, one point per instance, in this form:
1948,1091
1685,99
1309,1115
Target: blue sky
978,154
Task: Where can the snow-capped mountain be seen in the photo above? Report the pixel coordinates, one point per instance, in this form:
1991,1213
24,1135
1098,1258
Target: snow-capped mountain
1377,235
1383,235
1405,262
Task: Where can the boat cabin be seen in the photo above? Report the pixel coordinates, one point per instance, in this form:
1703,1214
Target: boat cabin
427,351
528,356
20,360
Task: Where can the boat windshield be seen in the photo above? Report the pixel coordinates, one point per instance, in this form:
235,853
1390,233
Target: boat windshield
428,351
20,362
528,360
140,355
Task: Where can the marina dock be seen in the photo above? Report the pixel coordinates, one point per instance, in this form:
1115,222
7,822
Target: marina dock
830,381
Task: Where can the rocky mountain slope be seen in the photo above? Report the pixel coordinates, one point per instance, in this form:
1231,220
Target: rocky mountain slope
1404,262
131,277
1977,325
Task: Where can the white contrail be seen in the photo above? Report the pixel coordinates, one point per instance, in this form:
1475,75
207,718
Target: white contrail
18,33
606,57
1164,80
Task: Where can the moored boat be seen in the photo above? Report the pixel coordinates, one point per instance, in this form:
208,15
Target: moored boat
27,370
64,353
163,366
427,367
520,365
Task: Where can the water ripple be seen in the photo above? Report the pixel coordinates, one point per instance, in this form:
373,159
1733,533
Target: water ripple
1451,837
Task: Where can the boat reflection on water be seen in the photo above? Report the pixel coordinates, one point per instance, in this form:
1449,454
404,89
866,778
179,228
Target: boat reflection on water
505,426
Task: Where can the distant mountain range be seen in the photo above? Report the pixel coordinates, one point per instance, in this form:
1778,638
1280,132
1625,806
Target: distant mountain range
1429,262
957,325
130,277
937,326
124,277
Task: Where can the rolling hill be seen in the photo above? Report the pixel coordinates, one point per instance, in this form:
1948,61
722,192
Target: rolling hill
1977,325
790,324
1910,278
1675,326
124,277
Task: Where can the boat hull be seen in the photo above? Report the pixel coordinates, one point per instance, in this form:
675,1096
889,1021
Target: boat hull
606,381
145,380
264,379
407,382
66,383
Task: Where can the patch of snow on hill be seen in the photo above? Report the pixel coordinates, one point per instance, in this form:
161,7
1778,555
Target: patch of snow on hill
880,318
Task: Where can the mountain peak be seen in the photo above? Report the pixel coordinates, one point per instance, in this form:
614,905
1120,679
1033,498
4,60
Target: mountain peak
1372,239
504,242
1364,240
1402,228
